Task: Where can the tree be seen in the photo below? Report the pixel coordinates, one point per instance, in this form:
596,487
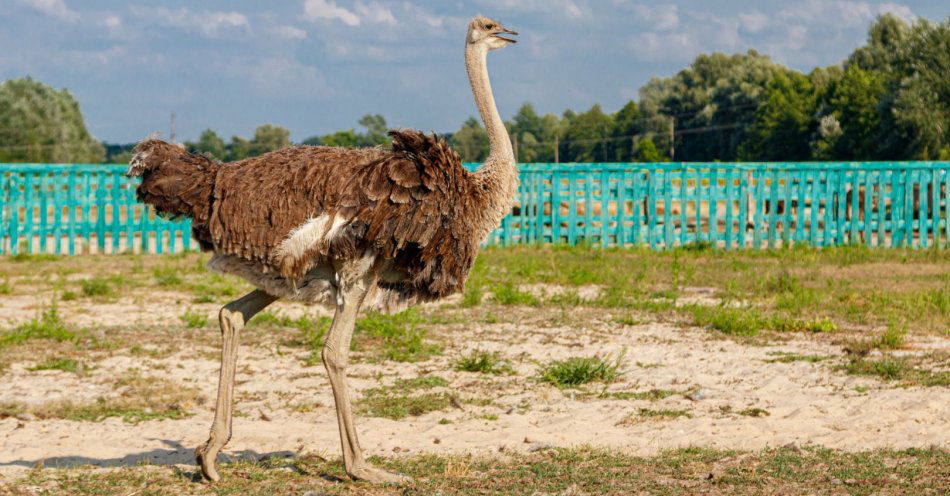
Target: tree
240,149
471,142
40,124
210,145
783,122
376,130
627,126
646,151
587,136
853,102
269,138
714,101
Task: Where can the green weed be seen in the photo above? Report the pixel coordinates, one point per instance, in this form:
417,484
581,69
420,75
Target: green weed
402,400
508,294
395,337
735,321
48,325
64,364
484,362
576,371
96,286
903,369
194,319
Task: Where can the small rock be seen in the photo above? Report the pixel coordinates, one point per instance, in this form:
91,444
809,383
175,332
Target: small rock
792,447
436,441
696,395
510,411
527,440
539,447
710,476
26,417
265,416
396,449
834,480
502,448
20,425
850,482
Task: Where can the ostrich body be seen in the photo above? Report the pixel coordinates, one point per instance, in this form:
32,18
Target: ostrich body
342,227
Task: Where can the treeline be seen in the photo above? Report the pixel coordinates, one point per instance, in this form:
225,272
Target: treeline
889,100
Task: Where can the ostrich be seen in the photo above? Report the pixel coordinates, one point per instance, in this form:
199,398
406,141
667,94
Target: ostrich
347,228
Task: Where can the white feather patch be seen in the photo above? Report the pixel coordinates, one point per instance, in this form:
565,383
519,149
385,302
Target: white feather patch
302,238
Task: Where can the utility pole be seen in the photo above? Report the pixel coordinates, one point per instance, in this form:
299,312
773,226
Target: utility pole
557,136
516,147
672,135
171,136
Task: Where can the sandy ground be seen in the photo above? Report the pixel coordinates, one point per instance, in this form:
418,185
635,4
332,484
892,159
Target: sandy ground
807,403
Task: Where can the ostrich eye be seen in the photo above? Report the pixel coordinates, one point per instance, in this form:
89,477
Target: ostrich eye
490,26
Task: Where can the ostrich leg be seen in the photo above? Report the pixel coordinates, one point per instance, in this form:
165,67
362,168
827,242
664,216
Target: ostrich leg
232,318
352,288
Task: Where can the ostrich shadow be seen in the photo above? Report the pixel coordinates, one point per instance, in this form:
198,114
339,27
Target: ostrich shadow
174,454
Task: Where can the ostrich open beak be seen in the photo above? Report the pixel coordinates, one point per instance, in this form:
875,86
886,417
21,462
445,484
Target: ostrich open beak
506,31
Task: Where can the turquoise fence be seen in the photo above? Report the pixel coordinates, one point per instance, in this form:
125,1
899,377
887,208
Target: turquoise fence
70,209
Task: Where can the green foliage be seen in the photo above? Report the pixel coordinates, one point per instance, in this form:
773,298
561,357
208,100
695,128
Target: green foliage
576,371
508,294
194,319
48,325
402,400
647,152
471,142
64,364
735,321
484,362
43,125
96,286
395,337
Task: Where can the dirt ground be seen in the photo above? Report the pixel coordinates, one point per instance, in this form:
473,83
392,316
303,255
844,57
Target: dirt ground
719,392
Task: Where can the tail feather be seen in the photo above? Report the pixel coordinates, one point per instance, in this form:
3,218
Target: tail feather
175,182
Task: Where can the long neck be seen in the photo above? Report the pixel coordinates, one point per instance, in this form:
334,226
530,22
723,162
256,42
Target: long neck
476,64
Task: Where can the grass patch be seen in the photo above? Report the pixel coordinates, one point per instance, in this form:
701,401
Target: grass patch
194,319
403,399
789,357
96,286
484,362
577,371
313,331
168,277
651,395
892,338
647,414
64,364
473,295
754,412
5,287
397,337
734,321
508,294
47,325
908,371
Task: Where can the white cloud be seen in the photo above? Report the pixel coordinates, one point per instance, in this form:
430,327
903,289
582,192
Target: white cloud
314,10
664,46
660,17
753,22
569,8
112,21
207,23
841,13
375,12
55,8
289,33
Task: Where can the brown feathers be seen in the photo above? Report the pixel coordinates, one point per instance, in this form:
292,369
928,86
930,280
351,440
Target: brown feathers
290,210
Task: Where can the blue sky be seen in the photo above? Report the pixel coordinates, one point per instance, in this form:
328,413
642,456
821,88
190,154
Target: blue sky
316,66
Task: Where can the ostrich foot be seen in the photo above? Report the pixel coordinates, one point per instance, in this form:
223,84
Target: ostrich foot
370,473
206,460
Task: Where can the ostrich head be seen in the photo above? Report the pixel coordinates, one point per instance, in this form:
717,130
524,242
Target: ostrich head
485,31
